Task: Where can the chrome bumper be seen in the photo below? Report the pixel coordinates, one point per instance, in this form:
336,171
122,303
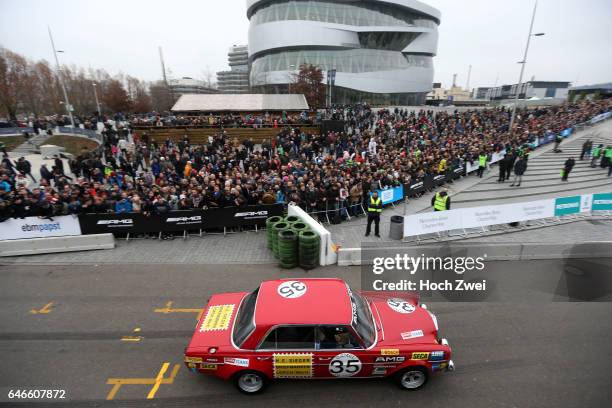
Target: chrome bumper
451,366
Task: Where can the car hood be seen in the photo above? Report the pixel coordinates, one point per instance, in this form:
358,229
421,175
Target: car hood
412,325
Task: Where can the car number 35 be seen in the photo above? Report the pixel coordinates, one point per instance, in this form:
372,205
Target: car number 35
400,305
345,365
291,289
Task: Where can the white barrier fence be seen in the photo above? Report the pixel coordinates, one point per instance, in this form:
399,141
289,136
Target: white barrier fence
34,227
476,217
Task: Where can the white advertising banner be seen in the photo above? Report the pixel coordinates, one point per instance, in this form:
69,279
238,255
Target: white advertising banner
420,224
34,227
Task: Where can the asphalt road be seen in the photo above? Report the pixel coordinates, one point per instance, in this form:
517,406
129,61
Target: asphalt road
507,354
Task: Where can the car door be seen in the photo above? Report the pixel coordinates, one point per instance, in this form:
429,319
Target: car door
289,351
340,353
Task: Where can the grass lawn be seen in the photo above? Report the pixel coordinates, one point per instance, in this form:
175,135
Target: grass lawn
11,142
73,144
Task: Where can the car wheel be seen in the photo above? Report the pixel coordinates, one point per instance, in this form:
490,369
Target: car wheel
250,382
412,378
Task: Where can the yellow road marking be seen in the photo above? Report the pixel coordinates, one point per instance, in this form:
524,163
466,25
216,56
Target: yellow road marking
170,309
133,338
156,382
44,310
160,376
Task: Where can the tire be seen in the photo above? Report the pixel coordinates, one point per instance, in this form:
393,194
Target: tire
250,382
412,378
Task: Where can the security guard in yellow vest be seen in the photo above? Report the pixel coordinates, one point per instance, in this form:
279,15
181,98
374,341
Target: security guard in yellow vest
441,201
482,164
374,210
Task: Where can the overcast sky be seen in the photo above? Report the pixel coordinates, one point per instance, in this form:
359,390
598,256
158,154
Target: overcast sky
124,35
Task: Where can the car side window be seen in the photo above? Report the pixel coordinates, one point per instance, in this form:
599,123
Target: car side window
336,337
290,337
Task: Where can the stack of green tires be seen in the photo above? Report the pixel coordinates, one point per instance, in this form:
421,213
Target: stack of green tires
298,227
270,229
287,249
276,229
290,219
308,244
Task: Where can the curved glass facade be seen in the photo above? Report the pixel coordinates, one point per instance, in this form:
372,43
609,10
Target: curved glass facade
382,50
356,14
353,61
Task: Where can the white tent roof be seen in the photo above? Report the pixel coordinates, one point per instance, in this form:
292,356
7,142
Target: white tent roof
240,102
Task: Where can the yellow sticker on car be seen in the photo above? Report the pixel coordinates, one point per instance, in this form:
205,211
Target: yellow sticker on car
208,366
218,317
389,352
420,355
293,365
193,359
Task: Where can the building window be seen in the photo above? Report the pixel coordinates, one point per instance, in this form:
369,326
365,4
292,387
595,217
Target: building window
361,14
550,93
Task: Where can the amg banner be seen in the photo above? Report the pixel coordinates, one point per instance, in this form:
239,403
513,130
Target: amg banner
176,221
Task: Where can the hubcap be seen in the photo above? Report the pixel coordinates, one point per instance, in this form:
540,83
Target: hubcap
413,379
250,382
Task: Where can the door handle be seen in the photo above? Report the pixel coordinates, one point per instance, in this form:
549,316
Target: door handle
263,358
324,358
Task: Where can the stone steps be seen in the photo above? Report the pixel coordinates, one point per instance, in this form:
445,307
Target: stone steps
542,178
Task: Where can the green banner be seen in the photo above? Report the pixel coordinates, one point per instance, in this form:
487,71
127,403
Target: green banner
567,205
602,202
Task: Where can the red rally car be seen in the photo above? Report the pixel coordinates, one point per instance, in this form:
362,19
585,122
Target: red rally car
316,328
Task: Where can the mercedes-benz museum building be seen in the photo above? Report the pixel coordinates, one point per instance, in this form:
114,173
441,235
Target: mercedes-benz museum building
382,50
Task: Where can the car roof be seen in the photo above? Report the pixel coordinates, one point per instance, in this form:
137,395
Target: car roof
325,301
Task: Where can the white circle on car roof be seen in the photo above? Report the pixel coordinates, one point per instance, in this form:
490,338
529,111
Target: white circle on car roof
291,289
400,305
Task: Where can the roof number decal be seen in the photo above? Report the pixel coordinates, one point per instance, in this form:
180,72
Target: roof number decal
291,289
400,305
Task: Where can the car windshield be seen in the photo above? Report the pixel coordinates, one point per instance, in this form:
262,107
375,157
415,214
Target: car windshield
244,320
362,319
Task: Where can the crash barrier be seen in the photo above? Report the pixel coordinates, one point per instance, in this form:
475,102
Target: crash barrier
177,221
35,227
601,118
137,223
419,186
477,217
89,133
327,249
34,246
506,251
15,130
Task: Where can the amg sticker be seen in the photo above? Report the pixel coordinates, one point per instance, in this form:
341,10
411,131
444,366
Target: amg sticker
390,359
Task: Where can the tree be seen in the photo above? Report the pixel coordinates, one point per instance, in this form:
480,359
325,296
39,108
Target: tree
141,101
309,82
115,97
161,98
13,77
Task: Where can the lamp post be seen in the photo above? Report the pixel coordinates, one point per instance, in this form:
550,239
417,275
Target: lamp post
523,63
61,78
97,101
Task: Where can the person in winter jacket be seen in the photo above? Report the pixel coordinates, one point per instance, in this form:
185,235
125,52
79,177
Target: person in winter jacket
519,169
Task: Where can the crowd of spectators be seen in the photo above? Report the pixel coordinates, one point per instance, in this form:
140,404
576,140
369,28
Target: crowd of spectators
327,174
